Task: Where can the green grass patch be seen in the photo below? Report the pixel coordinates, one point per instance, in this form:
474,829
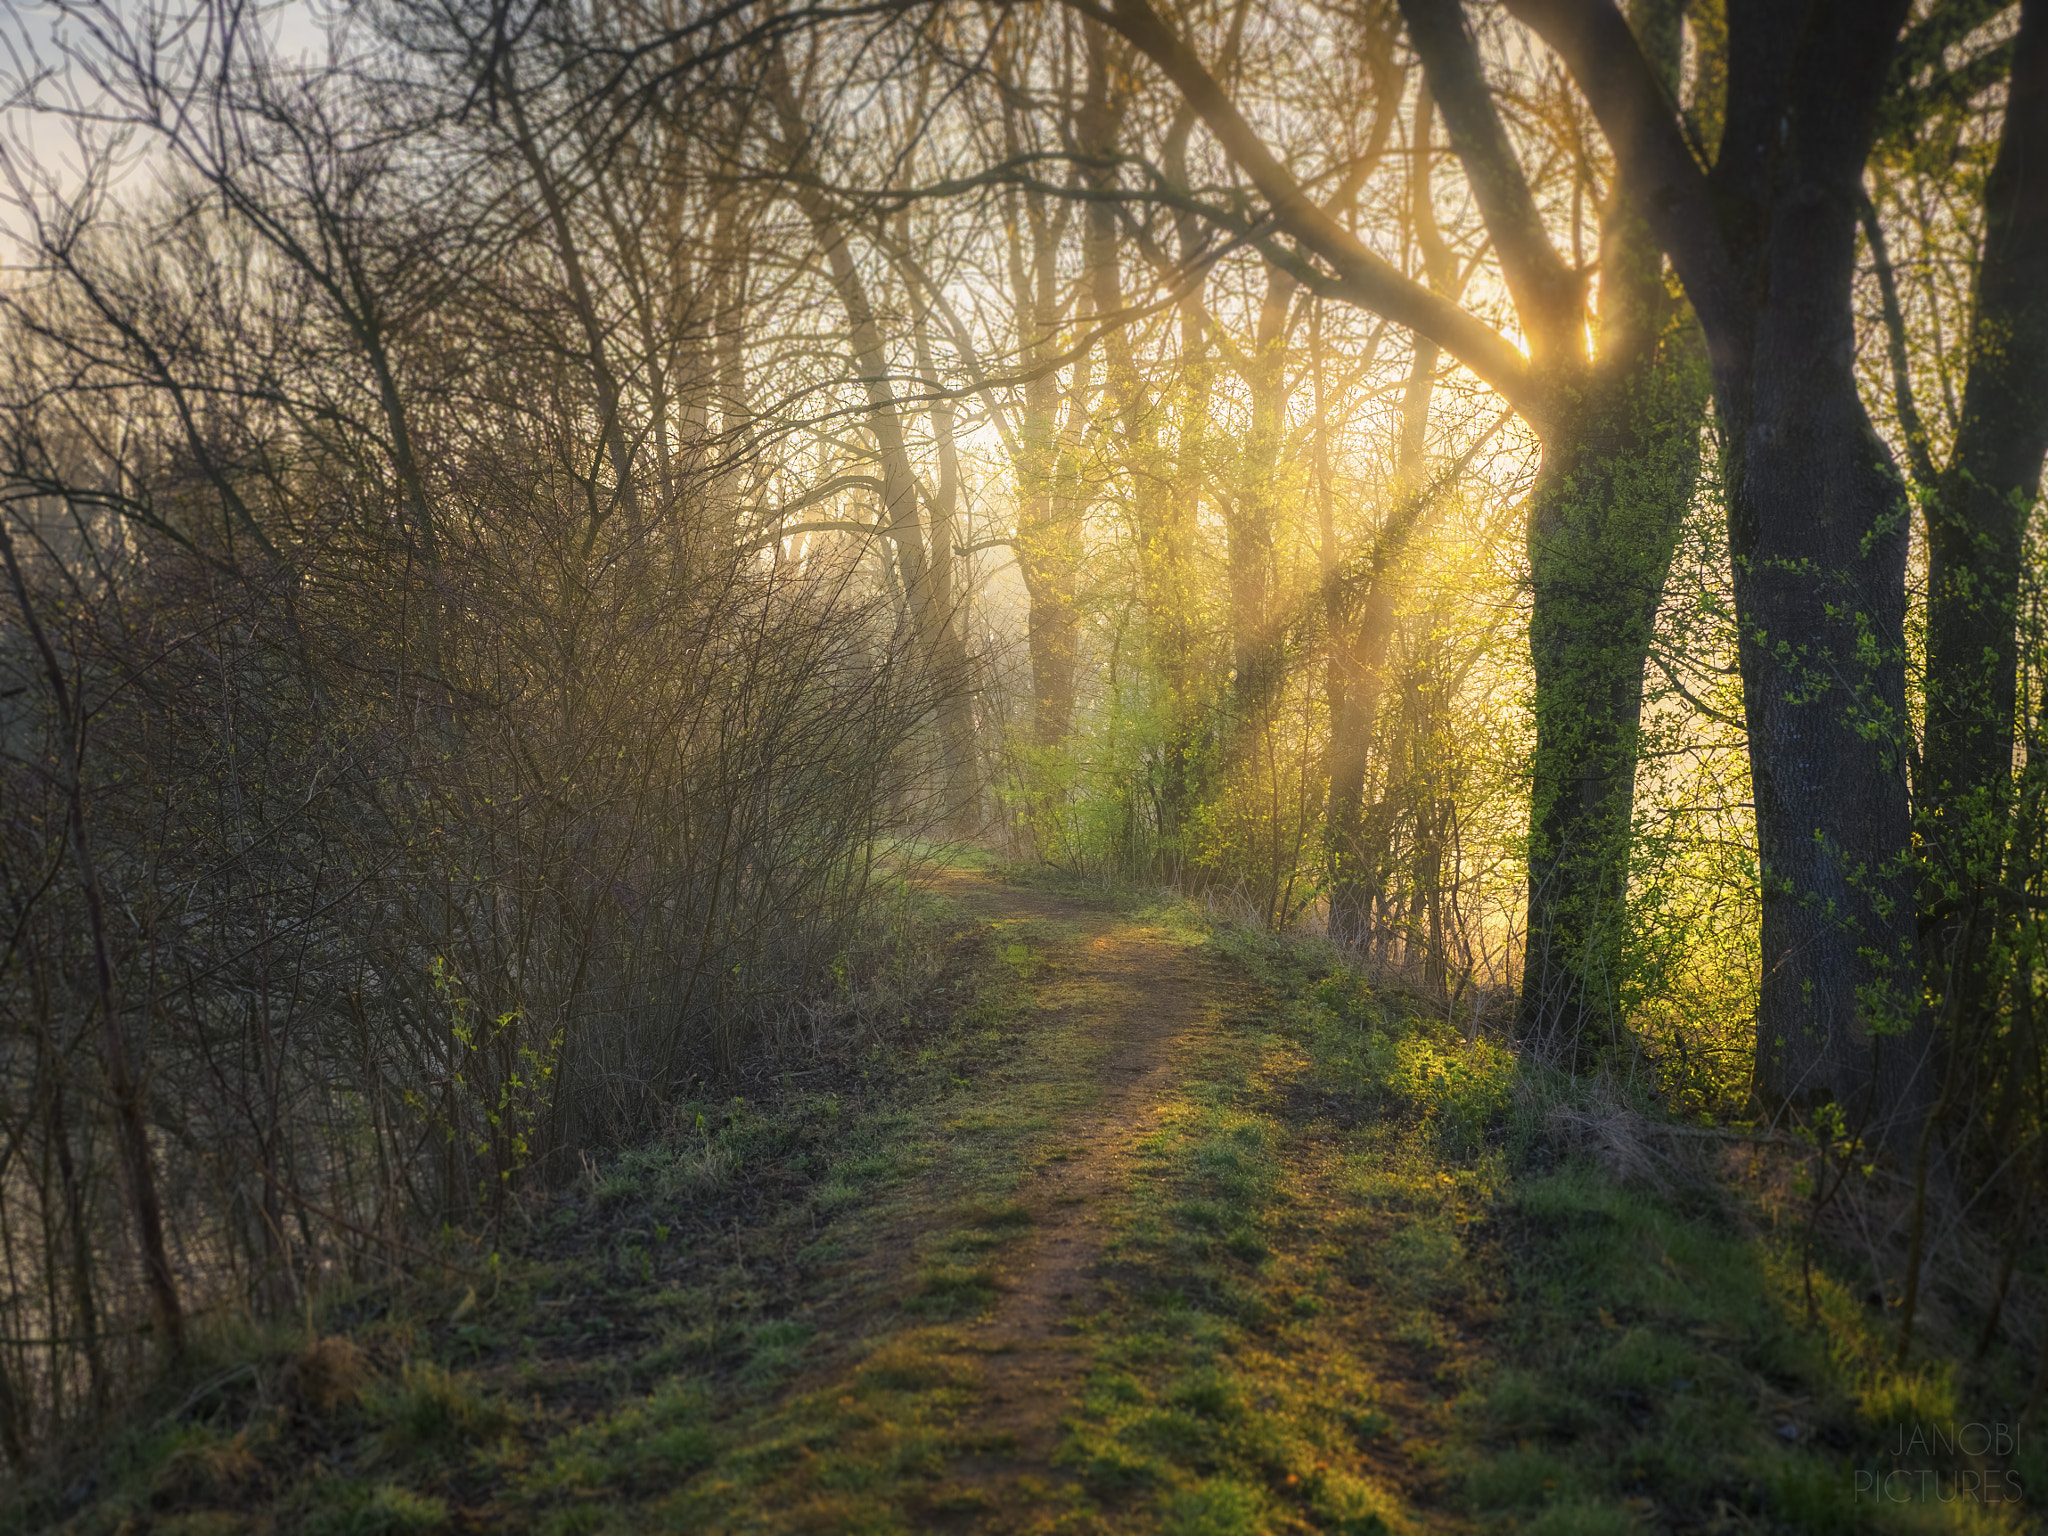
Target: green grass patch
1574,1352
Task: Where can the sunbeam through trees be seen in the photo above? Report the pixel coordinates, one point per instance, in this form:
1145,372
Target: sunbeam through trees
526,525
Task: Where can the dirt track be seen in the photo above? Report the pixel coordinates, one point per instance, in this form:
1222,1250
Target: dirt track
1145,997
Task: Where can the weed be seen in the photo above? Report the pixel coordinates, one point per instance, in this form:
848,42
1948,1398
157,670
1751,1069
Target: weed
328,1374
200,1467
952,1290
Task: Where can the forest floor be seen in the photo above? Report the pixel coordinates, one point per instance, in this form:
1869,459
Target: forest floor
1131,1226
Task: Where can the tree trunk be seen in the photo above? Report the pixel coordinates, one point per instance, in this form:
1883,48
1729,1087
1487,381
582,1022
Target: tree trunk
1164,493
939,644
1048,556
1816,513
1817,534
1048,543
84,1304
1361,631
1618,474
1620,465
1817,520
1620,433
1248,518
1817,530
1975,529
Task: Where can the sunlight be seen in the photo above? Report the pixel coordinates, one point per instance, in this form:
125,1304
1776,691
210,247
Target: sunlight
737,744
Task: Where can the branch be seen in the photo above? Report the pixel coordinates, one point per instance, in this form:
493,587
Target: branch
1918,455
1700,706
1656,163
794,530
1548,294
832,487
963,341
1362,277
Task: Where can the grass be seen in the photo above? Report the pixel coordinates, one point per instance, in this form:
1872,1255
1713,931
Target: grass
1562,1349
1354,1283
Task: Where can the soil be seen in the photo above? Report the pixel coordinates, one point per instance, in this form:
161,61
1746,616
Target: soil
1147,999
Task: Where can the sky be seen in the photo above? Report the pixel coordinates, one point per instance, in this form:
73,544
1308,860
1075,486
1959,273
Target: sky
41,147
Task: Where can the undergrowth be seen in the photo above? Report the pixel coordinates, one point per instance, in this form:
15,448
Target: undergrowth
615,1337
1583,1350
1370,1274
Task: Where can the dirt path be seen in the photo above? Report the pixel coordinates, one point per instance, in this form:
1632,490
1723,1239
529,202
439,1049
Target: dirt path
1144,997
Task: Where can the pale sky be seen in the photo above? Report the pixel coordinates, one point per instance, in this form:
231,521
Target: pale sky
31,34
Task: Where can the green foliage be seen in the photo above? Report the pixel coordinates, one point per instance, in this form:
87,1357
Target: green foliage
1379,1047
375,1509
1649,1351
1218,1507
502,1077
429,1410
1088,806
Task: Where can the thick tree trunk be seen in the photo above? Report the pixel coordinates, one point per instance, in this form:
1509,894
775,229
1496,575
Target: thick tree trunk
1620,436
1975,529
1618,473
1817,527
1817,516
1817,532
1621,460
1817,535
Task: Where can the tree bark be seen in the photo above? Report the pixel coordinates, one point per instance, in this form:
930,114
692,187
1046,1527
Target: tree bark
1618,473
1975,529
1816,511
1818,533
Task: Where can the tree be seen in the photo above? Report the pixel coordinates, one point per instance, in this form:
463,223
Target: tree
1620,429
1761,225
1046,442
927,569
1976,508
